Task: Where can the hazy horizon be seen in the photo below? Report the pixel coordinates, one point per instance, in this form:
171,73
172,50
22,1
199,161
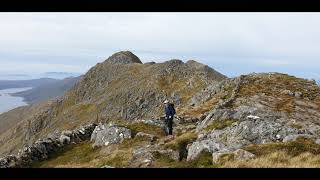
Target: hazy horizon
231,43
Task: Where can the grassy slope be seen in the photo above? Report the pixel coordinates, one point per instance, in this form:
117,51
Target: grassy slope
300,153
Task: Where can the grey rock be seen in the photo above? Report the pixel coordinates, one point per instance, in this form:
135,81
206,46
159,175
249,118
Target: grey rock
252,132
107,166
196,148
142,158
145,156
9,161
241,154
265,129
64,139
216,156
298,94
67,133
42,148
287,92
104,135
293,137
123,57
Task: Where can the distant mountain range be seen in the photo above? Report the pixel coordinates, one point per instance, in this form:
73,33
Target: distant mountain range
47,91
52,75
60,75
42,89
6,84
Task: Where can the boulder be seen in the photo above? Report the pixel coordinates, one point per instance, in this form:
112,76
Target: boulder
196,148
146,156
298,95
217,155
142,158
238,154
104,135
241,154
287,92
64,139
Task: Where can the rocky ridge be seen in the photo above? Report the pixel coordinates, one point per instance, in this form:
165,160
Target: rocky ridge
225,120
121,87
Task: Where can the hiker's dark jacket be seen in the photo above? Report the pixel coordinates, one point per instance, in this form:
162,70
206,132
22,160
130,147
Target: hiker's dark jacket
169,111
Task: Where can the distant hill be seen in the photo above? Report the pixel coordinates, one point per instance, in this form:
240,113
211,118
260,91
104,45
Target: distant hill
6,84
48,90
59,75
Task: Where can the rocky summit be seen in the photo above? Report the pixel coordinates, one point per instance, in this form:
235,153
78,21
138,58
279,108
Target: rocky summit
113,117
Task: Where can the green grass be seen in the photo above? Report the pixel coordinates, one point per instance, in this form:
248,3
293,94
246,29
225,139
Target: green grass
142,127
294,148
135,142
297,126
219,124
227,89
203,161
77,154
302,153
181,142
118,159
83,155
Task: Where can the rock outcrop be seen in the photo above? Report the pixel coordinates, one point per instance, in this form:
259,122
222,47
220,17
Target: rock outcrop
123,57
43,148
145,157
256,117
104,135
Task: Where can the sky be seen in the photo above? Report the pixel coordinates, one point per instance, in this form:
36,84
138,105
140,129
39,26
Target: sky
231,43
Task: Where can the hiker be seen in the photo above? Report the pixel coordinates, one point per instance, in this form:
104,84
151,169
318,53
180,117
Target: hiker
170,112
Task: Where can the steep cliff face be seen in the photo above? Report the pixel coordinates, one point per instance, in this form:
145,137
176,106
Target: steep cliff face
120,88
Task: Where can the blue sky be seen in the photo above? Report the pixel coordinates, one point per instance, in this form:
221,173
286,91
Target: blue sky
232,43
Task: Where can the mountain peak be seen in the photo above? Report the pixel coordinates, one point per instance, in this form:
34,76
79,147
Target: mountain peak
123,57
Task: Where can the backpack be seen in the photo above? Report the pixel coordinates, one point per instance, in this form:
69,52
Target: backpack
173,110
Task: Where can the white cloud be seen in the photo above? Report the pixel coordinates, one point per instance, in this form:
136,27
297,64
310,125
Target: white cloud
272,39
